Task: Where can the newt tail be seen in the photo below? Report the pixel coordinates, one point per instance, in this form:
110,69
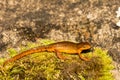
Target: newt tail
28,52
58,48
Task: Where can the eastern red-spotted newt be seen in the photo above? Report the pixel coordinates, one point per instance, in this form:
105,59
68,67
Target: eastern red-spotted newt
58,48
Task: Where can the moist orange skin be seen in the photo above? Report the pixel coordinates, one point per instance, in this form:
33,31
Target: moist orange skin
58,48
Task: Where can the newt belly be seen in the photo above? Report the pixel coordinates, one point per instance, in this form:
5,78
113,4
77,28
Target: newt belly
58,48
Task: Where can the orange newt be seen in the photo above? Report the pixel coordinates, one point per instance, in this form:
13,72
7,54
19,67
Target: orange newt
58,48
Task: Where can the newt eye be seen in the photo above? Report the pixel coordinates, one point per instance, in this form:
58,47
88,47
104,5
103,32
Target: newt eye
84,46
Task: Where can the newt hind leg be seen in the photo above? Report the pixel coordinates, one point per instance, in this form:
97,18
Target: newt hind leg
59,55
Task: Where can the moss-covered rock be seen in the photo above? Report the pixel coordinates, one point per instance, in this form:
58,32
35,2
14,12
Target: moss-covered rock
46,66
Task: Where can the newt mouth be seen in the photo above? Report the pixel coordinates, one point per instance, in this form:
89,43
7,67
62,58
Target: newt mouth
88,50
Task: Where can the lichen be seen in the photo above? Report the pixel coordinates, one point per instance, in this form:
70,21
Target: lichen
46,66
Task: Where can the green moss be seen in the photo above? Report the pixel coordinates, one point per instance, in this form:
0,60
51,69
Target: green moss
46,66
12,52
99,66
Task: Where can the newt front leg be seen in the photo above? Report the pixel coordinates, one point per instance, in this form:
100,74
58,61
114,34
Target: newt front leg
82,57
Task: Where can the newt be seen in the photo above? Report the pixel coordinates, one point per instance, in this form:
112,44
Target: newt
58,48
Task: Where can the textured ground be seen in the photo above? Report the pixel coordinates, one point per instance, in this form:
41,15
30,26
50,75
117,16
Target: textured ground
75,20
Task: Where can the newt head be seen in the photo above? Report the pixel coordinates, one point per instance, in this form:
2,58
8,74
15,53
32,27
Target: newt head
84,46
